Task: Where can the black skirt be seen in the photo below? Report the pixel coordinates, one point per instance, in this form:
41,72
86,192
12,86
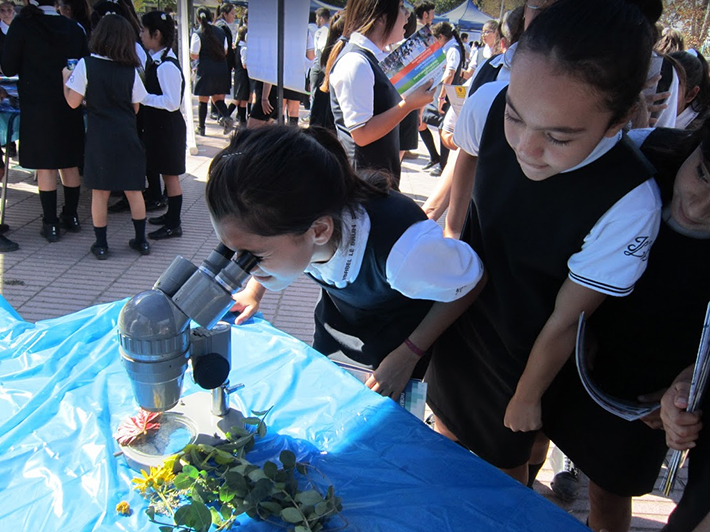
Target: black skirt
212,77
164,137
242,86
409,132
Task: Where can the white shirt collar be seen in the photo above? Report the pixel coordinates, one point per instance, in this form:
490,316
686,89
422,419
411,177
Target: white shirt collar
344,266
686,117
604,146
363,42
101,57
4,27
49,10
156,55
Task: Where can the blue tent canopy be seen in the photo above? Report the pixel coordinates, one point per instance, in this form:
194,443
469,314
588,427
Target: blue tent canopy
466,17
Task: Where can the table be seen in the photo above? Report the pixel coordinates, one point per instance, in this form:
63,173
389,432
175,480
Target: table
63,392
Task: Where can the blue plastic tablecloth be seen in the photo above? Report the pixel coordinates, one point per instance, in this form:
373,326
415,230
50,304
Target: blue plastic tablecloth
63,392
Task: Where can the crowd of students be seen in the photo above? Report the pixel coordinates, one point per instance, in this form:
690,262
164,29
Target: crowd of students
562,198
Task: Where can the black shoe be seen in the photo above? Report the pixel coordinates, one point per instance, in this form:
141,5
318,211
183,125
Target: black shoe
70,223
154,205
158,220
120,206
436,171
165,232
227,122
430,165
100,252
7,245
200,130
410,155
141,247
50,232
566,481
214,116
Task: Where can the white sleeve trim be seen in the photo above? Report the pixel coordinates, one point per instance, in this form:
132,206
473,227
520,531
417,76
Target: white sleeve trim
170,82
474,113
424,265
353,83
139,92
615,252
77,80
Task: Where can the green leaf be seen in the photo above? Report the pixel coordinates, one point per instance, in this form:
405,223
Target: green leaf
216,517
261,412
190,471
260,492
165,528
309,498
252,421
226,511
301,528
150,512
237,432
226,493
235,480
223,458
288,459
257,474
291,515
271,506
270,469
183,481
261,430
301,468
195,515
322,508
331,492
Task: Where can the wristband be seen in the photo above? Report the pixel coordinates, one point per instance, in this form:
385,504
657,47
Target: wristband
414,349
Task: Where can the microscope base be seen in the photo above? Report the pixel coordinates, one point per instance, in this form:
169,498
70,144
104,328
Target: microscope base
190,421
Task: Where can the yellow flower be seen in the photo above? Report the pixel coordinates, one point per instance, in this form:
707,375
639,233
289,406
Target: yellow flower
123,508
146,482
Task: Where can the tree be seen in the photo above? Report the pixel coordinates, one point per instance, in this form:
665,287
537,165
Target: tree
691,18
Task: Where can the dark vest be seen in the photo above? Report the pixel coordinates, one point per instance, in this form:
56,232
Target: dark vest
383,154
525,231
486,73
367,319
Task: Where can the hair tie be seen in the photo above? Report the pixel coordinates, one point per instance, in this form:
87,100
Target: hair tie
343,38
693,52
233,154
164,16
34,3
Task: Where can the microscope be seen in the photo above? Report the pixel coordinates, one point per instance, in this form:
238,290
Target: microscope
156,342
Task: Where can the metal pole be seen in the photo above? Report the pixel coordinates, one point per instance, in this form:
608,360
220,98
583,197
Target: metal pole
502,9
280,62
184,11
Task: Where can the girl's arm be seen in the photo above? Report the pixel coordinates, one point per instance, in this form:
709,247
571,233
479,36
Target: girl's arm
549,353
247,301
447,79
461,190
72,97
436,204
379,125
395,370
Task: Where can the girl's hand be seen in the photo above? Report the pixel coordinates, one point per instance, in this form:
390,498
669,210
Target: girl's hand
266,107
393,373
66,74
246,302
420,97
653,419
523,415
682,428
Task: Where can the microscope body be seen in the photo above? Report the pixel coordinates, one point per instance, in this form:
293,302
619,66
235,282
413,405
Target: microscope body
156,340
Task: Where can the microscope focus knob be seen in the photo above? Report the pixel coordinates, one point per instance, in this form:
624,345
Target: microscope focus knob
210,370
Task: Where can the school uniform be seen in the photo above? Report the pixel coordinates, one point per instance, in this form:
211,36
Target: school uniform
230,54
115,159
212,76
593,224
359,90
390,267
643,342
164,130
3,32
242,86
51,132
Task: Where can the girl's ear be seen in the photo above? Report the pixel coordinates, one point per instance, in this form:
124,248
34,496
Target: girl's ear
615,128
323,230
690,96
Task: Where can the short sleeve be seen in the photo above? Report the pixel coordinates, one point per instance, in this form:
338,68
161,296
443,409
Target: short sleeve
142,56
450,119
474,113
453,58
139,92
77,80
615,253
353,84
423,264
195,44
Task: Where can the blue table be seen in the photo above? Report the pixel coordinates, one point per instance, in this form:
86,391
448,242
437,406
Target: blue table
63,392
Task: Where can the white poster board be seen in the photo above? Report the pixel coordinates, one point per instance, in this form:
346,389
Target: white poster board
262,42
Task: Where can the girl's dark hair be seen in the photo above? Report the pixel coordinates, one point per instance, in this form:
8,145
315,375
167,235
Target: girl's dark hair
696,75
113,37
671,41
667,149
568,33
120,7
81,13
211,44
242,33
410,27
512,24
278,180
225,9
448,31
335,31
361,16
160,21
31,11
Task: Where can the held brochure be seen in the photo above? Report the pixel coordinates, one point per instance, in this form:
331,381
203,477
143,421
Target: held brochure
412,399
628,410
416,61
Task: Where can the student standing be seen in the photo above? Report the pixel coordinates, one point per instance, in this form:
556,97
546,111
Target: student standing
366,107
391,282
563,214
164,131
37,47
115,159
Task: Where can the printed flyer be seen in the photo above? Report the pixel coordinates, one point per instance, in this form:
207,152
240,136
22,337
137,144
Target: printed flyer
416,61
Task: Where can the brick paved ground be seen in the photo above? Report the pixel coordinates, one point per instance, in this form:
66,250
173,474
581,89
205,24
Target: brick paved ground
43,280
